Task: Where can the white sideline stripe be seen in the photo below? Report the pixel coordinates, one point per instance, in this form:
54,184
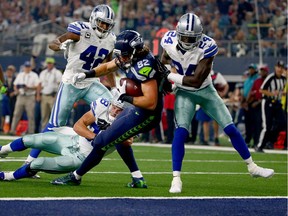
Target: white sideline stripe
16,159
218,148
141,198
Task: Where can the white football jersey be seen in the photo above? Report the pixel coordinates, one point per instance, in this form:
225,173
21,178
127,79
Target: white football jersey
100,109
186,63
86,53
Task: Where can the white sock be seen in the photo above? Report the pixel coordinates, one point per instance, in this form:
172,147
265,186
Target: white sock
8,176
6,148
249,161
176,173
78,177
29,159
137,174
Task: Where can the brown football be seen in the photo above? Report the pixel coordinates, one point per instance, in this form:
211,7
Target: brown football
132,88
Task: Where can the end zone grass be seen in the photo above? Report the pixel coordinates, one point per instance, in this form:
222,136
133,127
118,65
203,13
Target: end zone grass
211,172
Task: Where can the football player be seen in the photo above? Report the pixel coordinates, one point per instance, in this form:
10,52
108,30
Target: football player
85,45
191,53
72,145
138,64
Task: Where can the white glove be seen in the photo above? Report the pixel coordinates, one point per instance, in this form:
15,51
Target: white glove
115,93
78,78
64,46
122,88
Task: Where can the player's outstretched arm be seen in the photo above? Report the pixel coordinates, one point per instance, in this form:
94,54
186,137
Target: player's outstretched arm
100,70
57,44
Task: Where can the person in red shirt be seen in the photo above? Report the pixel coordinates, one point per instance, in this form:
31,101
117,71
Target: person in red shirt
169,101
254,102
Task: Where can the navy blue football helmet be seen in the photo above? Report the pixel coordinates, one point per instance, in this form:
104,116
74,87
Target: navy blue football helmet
127,43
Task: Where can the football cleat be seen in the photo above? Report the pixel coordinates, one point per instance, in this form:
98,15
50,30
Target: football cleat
137,183
176,185
67,180
256,171
2,154
36,176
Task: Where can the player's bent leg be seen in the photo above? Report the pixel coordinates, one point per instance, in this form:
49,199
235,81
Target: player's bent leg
16,145
22,172
61,164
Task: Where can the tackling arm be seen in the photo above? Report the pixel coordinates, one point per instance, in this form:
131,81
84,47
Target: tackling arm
80,126
202,71
55,45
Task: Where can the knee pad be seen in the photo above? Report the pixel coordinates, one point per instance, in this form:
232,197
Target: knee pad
45,138
37,163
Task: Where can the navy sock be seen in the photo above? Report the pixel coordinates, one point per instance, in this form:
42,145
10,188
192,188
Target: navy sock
178,149
18,145
34,153
127,156
22,172
237,141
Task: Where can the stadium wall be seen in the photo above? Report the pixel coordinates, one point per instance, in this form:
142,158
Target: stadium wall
232,68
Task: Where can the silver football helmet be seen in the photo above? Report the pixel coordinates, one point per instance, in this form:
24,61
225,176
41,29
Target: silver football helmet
189,31
102,14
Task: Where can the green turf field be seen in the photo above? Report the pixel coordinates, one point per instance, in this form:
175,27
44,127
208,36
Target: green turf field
205,173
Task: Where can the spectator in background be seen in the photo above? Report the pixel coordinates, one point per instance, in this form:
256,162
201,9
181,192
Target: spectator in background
25,86
50,79
254,100
273,116
249,118
9,98
268,42
222,88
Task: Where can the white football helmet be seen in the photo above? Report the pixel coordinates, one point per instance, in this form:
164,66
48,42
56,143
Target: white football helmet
102,13
189,31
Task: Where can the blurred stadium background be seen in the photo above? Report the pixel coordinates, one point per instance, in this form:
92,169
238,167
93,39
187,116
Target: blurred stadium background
246,31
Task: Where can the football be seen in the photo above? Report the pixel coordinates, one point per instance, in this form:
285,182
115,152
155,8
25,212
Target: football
132,88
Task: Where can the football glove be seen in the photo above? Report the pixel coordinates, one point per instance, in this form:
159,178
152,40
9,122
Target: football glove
123,96
64,46
102,124
78,78
164,86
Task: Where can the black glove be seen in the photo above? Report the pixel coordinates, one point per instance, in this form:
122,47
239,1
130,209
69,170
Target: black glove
165,86
102,124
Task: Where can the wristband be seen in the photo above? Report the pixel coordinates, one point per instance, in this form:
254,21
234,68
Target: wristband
90,74
176,78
